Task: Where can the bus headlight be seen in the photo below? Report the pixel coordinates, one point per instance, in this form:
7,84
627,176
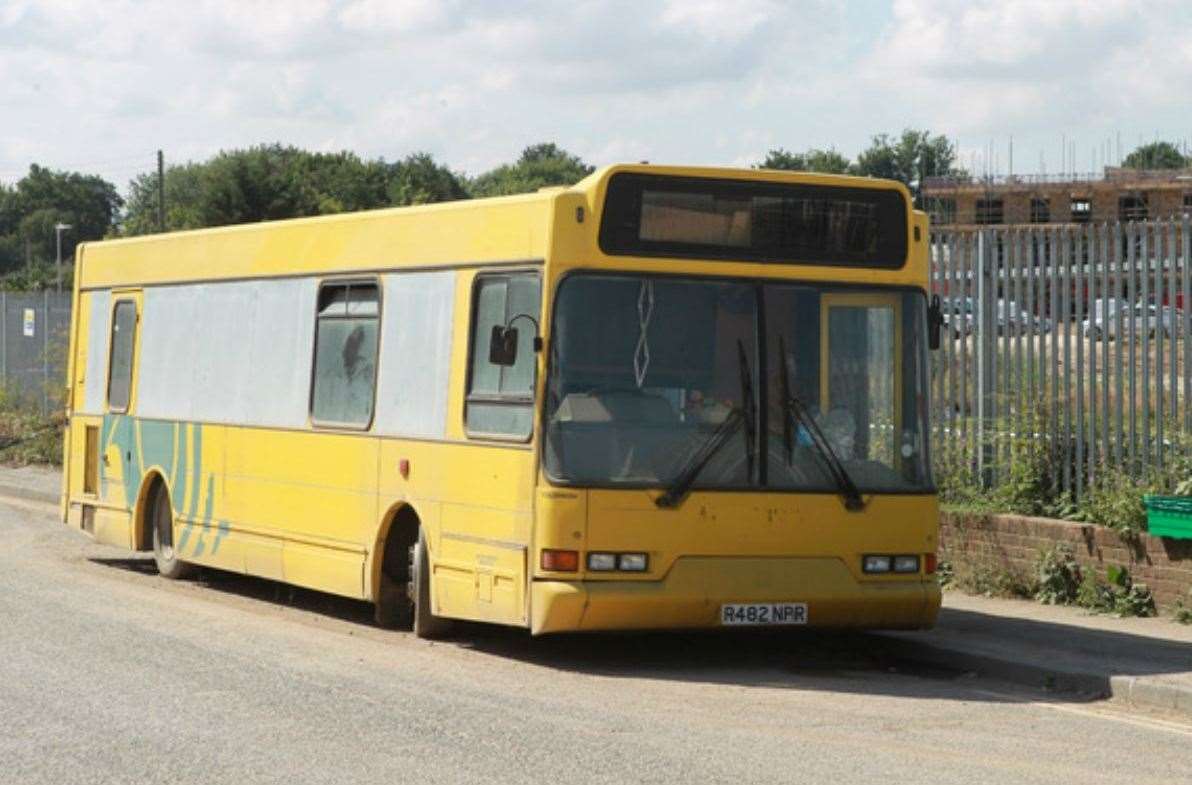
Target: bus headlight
632,562
876,564
625,562
602,562
906,564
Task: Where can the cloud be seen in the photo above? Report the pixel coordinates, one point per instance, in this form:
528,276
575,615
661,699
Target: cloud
396,16
993,67
703,81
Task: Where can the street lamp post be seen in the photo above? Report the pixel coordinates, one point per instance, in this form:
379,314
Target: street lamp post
59,228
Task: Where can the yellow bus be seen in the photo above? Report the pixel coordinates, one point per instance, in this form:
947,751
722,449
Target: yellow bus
663,398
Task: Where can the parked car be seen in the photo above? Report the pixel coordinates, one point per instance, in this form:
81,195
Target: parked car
1011,319
958,316
1103,322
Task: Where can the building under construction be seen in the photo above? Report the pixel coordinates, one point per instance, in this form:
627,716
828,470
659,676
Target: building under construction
1119,194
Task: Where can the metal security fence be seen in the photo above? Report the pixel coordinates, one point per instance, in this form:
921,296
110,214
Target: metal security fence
1078,338
33,346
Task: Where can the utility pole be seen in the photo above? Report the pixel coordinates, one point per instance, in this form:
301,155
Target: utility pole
59,228
161,192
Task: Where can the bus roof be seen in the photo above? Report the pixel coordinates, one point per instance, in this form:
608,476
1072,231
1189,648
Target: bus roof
490,230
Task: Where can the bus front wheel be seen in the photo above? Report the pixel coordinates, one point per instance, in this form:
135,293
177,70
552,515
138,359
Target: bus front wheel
426,623
166,558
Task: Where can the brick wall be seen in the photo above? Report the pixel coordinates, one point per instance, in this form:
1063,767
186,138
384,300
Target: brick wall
1164,199
1013,543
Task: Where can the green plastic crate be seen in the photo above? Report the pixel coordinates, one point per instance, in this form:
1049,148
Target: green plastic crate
1169,516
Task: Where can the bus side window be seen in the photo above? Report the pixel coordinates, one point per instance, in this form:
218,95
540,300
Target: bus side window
124,334
345,366
500,399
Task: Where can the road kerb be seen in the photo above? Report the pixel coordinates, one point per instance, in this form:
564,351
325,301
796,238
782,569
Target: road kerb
1144,692
1141,692
1152,692
1028,674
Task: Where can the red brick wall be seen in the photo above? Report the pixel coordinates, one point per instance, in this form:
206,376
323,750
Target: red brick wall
1013,543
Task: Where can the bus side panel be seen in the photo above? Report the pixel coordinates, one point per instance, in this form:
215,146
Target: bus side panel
224,399
478,549
75,456
120,466
306,498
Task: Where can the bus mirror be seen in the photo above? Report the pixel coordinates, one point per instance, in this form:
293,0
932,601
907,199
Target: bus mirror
502,348
935,322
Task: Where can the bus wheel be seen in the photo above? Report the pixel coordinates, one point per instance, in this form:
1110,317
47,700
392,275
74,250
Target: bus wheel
168,563
426,624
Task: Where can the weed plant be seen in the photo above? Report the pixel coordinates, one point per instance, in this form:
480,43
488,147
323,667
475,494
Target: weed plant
1058,576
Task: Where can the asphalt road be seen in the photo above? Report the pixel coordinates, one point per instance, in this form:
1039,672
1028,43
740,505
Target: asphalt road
111,674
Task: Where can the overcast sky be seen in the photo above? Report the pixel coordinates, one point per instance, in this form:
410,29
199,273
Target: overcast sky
100,86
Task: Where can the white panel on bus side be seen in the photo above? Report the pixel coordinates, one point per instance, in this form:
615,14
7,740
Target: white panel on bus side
95,375
169,337
224,345
418,314
282,349
235,353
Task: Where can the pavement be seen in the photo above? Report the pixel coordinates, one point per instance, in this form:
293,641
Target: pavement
1144,664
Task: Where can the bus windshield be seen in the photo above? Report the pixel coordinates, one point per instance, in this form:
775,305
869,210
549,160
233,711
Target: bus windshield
644,369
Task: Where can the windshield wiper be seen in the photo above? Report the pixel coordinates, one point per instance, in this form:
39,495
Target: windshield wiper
699,459
844,483
748,408
744,415
788,441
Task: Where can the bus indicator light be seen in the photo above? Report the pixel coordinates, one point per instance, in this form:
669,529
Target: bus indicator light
929,563
560,561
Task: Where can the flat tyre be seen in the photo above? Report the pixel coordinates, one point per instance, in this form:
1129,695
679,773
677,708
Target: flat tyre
164,554
425,623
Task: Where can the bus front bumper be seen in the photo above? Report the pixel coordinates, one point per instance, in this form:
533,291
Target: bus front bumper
693,592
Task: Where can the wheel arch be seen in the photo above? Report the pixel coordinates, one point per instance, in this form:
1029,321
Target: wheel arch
398,530
142,534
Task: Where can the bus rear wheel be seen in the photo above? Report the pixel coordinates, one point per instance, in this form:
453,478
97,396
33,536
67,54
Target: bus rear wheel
425,623
162,520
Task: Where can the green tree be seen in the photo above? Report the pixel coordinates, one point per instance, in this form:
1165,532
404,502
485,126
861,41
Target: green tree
9,215
1157,155
43,198
183,189
910,158
783,159
815,160
539,165
417,179
10,218
262,183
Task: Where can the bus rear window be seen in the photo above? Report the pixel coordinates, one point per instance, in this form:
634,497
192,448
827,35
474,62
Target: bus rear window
699,218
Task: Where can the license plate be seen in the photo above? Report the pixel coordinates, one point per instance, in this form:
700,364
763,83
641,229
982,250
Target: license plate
764,613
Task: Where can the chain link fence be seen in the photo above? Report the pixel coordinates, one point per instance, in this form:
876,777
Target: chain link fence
34,329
